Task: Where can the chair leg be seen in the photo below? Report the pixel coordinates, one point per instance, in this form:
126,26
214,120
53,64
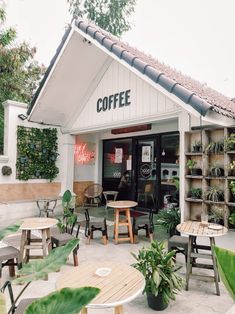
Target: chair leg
75,258
11,268
151,237
88,237
0,269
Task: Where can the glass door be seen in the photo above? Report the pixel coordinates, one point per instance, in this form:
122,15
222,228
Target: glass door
146,173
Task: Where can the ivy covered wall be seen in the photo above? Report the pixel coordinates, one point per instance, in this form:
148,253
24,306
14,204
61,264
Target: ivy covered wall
37,152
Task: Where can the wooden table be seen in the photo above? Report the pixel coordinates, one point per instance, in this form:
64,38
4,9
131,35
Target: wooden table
122,206
196,229
122,285
27,243
114,195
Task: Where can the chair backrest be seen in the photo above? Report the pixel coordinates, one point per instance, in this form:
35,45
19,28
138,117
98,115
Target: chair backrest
93,190
148,188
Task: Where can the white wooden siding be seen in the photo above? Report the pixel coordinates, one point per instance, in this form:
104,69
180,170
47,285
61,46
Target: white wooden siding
146,101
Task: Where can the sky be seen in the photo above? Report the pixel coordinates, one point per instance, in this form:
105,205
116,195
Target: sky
194,36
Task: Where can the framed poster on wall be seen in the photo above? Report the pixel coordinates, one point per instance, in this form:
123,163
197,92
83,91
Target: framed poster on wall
146,154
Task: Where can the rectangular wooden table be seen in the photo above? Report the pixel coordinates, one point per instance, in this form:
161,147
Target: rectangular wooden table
197,229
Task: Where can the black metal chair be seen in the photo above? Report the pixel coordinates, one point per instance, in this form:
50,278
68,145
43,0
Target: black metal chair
180,245
70,232
142,220
9,256
95,224
46,206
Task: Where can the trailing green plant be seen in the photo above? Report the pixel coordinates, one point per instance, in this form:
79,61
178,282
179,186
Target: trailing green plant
66,300
169,218
195,193
215,147
37,152
232,186
226,261
191,164
230,142
159,270
231,219
214,194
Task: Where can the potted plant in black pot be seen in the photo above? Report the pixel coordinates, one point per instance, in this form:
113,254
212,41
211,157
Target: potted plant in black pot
216,171
231,168
168,218
197,147
191,165
214,194
195,193
161,279
215,147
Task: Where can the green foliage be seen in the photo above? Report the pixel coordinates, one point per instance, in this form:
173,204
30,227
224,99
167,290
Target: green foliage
176,181
51,263
215,147
67,199
231,219
232,186
216,214
191,164
19,72
195,193
230,142
67,300
36,153
226,265
232,165
214,194
110,15
159,270
168,218
3,309
9,230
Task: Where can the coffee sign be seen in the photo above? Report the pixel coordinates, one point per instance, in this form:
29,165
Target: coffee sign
114,101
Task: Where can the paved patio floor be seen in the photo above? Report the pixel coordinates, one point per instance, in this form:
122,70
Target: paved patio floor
200,298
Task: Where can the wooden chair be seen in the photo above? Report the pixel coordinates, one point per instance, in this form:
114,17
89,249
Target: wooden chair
142,220
59,239
148,193
95,224
9,256
93,195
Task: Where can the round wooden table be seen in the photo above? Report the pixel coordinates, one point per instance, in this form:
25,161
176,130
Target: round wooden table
27,243
197,229
122,206
123,284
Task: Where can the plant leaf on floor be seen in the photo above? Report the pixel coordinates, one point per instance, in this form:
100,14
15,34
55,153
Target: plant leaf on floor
69,301
40,269
2,304
9,230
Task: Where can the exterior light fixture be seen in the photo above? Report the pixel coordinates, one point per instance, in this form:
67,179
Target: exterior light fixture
163,152
22,116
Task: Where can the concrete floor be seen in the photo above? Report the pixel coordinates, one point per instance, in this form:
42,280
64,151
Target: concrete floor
200,298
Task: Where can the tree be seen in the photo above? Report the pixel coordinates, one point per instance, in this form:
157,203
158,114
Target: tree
110,15
19,72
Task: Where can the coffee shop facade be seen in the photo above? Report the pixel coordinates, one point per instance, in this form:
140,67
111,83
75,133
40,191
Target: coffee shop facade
118,109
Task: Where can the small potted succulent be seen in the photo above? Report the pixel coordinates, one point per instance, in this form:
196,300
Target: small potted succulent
216,171
215,147
195,193
194,171
197,147
217,215
162,281
214,194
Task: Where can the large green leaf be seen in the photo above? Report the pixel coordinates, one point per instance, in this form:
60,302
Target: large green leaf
226,265
69,301
2,304
40,269
9,230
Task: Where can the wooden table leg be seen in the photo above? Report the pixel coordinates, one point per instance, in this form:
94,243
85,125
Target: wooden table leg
216,274
11,268
116,226
27,254
48,235
22,244
119,309
189,265
129,225
84,310
44,243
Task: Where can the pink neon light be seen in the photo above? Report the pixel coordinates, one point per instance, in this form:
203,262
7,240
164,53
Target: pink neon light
82,154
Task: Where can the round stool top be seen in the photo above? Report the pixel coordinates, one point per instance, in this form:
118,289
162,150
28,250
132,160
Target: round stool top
123,204
38,223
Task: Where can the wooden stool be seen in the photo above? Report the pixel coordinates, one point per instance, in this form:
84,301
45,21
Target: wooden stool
123,222
7,258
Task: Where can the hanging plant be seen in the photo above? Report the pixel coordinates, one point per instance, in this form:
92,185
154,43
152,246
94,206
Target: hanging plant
36,153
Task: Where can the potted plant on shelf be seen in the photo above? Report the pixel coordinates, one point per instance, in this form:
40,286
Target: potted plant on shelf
216,215
231,220
195,193
230,142
215,147
216,171
169,218
232,168
161,279
232,188
214,194
197,147
193,170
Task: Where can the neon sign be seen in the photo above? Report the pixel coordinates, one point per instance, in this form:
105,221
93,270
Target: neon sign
82,154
